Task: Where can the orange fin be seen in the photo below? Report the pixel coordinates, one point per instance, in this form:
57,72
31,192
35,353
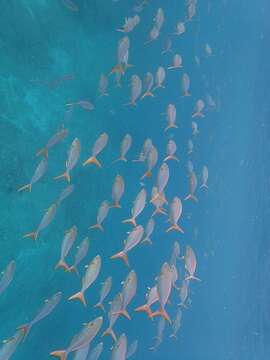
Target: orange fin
110,332
131,220
79,296
97,226
26,187
176,228
61,354
121,255
32,235
92,160
65,175
25,329
61,264
147,174
191,197
144,308
163,313
73,269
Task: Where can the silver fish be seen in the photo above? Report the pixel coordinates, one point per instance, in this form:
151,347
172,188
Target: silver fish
180,28
174,214
177,62
67,243
149,230
190,167
190,146
185,81
190,263
103,85
65,193
8,276
160,77
171,150
151,160
153,34
9,347
120,348
118,189
176,324
72,159
167,46
204,177
148,85
128,293
159,18
162,181
138,206
45,221
199,106
208,50
98,146
96,352
82,251
147,146
105,289
151,297
38,174
101,216
89,277
158,201
193,182
171,117
183,292
55,139
125,146
132,348
82,353
113,315
194,127
47,308
159,336
136,89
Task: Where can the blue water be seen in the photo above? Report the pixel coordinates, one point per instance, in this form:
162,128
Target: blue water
42,41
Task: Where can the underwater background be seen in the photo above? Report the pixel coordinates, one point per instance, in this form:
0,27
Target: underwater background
43,40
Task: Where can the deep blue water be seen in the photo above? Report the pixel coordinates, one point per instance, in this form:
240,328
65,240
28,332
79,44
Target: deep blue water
43,40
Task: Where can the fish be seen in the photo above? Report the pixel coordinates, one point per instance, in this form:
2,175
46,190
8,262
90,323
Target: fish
171,150
190,146
151,297
65,193
103,85
149,230
73,157
174,275
174,214
167,46
48,306
54,140
125,146
162,181
176,324
153,34
138,206
190,263
204,177
151,161
158,202
210,102
147,146
80,340
190,167
84,104
9,347
164,286
148,85
82,251
38,174
134,238
180,28
98,146
105,289
88,279
120,348
136,89
199,106
176,63
82,353
191,11
128,292
101,216
45,221
193,182
160,77
194,127
185,81
113,316
159,18
68,241
130,24
183,293
118,189
208,50
171,117
132,348
122,50
159,336
95,352
7,276
175,253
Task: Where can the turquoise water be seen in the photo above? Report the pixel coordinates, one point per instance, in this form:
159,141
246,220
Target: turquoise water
43,41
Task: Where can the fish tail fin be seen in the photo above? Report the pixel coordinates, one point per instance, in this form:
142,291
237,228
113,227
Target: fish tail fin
131,220
159,210
147,240
192,277
204,186
144,308
33,235
175,227
147,174
116,205
171,126
73,269
124,313
173,336
61,354
101,306
61,264
171,157
197,114
26,187
80,296
97,226
182,305
147,94
25,329
131,103
163,313
191,197
186,93
110,332
92,160
65,175
44,152
121,158
121,255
